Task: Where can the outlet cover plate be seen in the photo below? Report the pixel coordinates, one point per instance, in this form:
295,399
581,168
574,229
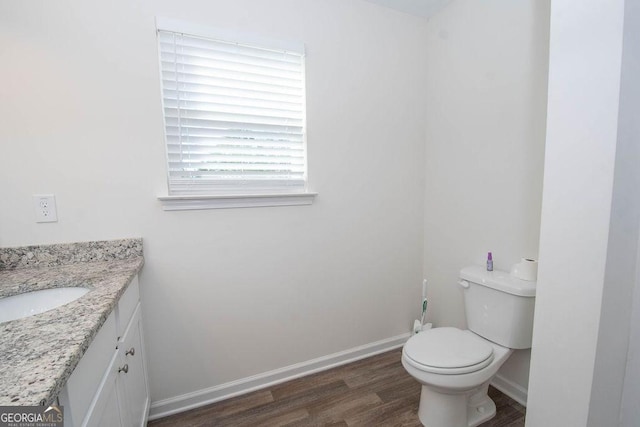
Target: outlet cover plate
45,207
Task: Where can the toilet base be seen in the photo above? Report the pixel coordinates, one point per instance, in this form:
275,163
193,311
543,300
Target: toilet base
455,410
480,407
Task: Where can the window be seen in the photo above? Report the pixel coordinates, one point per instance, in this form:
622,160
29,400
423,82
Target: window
234,115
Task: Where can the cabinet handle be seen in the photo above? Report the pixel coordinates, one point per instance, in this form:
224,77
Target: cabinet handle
124,369
131,351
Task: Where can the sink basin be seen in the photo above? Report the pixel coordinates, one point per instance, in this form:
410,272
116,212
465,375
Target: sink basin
36,302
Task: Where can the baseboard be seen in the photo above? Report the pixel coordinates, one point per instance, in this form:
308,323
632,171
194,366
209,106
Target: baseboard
511,389
174,405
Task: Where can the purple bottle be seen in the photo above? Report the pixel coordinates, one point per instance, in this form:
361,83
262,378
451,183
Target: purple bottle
489,262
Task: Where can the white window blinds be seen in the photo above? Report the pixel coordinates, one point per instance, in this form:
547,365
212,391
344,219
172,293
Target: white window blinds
234,116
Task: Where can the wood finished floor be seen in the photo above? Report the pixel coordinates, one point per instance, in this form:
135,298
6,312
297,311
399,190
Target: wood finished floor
371,392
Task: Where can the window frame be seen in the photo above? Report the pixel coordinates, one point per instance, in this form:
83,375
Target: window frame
239,196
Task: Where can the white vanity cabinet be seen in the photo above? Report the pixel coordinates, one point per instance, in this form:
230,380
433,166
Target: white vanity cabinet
109,386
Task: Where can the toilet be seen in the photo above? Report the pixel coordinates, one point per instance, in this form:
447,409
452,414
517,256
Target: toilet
455,366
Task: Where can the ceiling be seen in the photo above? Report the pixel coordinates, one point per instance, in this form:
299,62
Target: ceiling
424,8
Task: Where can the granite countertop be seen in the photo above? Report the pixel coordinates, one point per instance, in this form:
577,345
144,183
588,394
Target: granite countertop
39,353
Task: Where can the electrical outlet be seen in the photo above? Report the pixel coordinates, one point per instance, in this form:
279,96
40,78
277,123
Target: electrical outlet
45,207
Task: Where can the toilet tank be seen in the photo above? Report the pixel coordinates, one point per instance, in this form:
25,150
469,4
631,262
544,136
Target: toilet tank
499,307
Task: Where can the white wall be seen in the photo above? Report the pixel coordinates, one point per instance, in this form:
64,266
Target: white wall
572,300
629,408
226,293
486,99
622,247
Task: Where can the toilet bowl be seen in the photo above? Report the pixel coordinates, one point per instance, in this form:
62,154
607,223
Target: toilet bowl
454,367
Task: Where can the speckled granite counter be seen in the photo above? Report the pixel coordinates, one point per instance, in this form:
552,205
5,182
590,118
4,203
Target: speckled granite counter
39,353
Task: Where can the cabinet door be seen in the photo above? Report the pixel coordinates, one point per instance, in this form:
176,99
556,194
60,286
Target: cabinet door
110,416
86,379
135,388
105,408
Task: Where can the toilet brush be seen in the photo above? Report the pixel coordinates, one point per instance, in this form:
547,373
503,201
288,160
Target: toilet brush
418,325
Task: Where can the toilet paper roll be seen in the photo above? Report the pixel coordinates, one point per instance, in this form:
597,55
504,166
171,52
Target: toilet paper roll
526,269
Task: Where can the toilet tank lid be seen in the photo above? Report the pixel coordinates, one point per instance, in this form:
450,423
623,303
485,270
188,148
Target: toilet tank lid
498,280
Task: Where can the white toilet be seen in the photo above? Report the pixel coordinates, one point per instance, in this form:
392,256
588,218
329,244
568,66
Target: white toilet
455,366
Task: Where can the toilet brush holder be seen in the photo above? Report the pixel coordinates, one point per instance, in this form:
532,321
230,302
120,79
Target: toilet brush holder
419,327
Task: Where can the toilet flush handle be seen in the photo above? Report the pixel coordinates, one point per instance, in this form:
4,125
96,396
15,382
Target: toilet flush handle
463,283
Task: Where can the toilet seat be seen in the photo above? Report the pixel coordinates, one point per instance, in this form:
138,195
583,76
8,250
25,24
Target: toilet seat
448,351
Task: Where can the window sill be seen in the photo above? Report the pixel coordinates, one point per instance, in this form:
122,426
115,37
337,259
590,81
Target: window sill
182,203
